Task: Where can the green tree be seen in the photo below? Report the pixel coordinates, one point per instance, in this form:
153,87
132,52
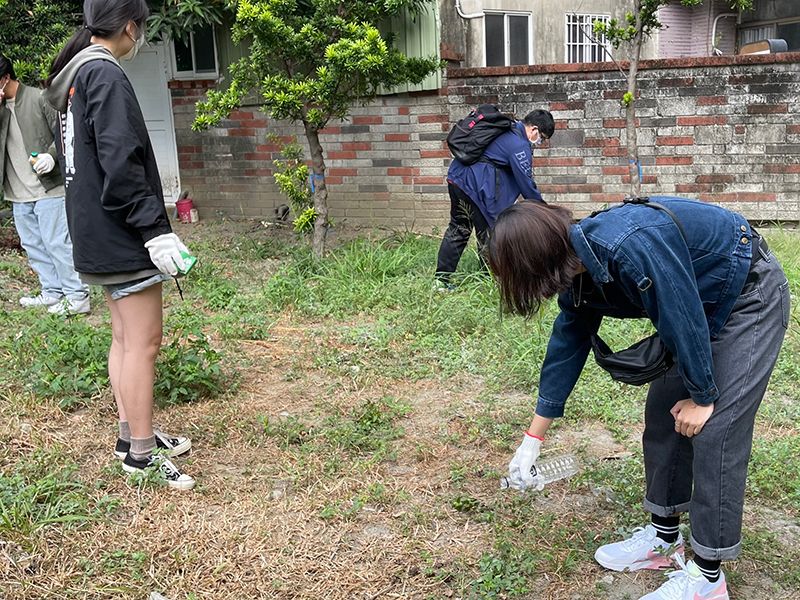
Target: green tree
630,34
309,61
32,33
175,19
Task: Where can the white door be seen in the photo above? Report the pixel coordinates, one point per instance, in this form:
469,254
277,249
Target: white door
148,75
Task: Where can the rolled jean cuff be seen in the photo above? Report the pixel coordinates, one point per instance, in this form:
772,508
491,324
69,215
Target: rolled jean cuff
665,511
730,553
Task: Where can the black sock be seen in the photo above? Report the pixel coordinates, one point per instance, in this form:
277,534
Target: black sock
709,568
666,528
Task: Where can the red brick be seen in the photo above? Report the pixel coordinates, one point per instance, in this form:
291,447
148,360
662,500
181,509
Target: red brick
242,132
345,155
739,197
333,180
573,105
342,172
356,146
558,161
675,140
403,110
674,160
429,180
739,129
716,120
258,156
716,178
397,137
331,131
367,120
607,198
434,119
397,171
778,168
692,188
645,179
434,154
614,123
616,170
711,100
562,124
615,151
600,142
613,94
793,129
768,109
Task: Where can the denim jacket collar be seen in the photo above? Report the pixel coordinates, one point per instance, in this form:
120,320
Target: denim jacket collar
580,244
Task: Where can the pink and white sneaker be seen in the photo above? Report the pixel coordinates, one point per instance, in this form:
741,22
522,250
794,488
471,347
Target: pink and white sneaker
688,583
643,550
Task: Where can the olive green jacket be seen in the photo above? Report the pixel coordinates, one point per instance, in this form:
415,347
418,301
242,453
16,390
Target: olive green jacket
37,120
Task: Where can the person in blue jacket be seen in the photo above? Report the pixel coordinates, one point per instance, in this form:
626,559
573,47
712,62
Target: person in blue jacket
720,302
481,191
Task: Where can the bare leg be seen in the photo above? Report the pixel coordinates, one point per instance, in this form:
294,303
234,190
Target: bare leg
140,316
115,354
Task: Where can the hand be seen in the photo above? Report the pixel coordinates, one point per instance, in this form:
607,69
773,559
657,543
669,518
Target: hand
44,163
690,418
519,469
165,252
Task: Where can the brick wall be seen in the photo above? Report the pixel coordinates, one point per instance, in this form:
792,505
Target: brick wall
723,129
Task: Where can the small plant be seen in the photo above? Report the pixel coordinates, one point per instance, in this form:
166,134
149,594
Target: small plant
292,176
63,359
369,428
41,491
287,432
187,369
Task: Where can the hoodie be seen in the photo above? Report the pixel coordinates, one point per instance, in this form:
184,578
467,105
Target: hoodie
114,198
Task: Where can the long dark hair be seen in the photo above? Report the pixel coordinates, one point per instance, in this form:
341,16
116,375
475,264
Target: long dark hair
531,256
103,18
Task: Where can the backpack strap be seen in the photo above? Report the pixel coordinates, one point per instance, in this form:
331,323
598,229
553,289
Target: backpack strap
645,201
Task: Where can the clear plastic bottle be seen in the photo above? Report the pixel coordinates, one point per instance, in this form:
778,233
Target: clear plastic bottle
548,470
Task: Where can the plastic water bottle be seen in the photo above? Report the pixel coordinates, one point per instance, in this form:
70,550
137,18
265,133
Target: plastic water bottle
549,470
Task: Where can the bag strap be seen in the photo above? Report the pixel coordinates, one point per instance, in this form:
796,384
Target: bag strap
645,201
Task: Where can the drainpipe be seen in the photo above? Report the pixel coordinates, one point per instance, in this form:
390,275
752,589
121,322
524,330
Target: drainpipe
463,15
714,50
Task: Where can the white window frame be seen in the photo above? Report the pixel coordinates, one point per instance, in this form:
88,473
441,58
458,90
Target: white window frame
193,74
506,14
584,44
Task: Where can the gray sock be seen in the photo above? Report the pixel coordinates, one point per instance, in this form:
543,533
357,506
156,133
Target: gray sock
124,431
141,449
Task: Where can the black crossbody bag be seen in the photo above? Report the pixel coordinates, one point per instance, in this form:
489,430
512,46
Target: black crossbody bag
647,359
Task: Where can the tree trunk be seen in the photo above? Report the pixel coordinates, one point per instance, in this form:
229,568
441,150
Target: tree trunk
630,110
320,191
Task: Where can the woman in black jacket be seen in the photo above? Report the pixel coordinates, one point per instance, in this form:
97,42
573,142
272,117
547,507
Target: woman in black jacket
122,239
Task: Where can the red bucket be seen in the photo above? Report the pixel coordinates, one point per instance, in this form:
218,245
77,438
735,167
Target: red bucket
185,207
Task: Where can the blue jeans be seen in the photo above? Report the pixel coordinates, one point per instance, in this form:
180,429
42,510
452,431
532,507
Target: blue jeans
42,229
706,474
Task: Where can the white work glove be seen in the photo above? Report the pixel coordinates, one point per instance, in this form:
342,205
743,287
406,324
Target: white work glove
44,163
519,469
165,252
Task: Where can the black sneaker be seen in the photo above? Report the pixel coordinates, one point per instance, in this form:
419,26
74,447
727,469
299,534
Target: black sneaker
172,475
173,445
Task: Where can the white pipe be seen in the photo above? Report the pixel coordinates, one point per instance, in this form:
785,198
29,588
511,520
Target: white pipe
714,50
463,15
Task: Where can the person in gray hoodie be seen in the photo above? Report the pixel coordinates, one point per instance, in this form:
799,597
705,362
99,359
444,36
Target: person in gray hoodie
122,236
32,182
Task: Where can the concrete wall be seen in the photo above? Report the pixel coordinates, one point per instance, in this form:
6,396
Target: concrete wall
549,25
719,129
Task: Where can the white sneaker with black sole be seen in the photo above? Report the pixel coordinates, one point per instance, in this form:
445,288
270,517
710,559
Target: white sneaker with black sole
172,475
643,550
40,301
171,445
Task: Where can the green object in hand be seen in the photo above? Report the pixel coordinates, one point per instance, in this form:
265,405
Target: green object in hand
34,157
188,262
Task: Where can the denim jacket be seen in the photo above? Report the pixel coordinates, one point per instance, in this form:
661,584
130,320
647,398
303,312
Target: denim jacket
639,265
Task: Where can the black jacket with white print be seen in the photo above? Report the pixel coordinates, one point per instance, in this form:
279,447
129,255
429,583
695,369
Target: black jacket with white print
114,198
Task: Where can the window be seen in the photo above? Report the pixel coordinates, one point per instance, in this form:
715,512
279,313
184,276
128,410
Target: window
582,45
782,31
196,57
507,39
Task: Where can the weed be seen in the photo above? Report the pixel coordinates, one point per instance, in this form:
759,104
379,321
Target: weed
188,369
42,491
